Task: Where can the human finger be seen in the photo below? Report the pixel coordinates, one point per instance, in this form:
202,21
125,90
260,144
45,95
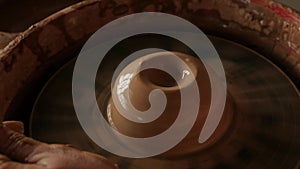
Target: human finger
15,126
16,146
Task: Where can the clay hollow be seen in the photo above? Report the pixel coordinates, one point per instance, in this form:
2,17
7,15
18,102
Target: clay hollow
149,79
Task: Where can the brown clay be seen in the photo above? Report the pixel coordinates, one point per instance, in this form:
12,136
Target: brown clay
148,80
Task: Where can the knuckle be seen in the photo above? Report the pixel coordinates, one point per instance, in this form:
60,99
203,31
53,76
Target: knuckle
14,141
17,146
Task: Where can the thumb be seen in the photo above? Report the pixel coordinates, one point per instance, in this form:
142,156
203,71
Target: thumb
15,126
15,145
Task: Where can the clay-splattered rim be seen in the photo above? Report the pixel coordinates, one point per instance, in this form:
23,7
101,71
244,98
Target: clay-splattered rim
265,26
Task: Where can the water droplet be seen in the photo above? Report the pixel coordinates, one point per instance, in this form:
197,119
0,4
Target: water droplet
225,25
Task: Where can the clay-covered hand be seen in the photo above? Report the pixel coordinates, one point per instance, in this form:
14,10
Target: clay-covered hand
20,152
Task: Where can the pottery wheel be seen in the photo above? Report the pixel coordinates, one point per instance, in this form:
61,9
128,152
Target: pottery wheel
264,132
